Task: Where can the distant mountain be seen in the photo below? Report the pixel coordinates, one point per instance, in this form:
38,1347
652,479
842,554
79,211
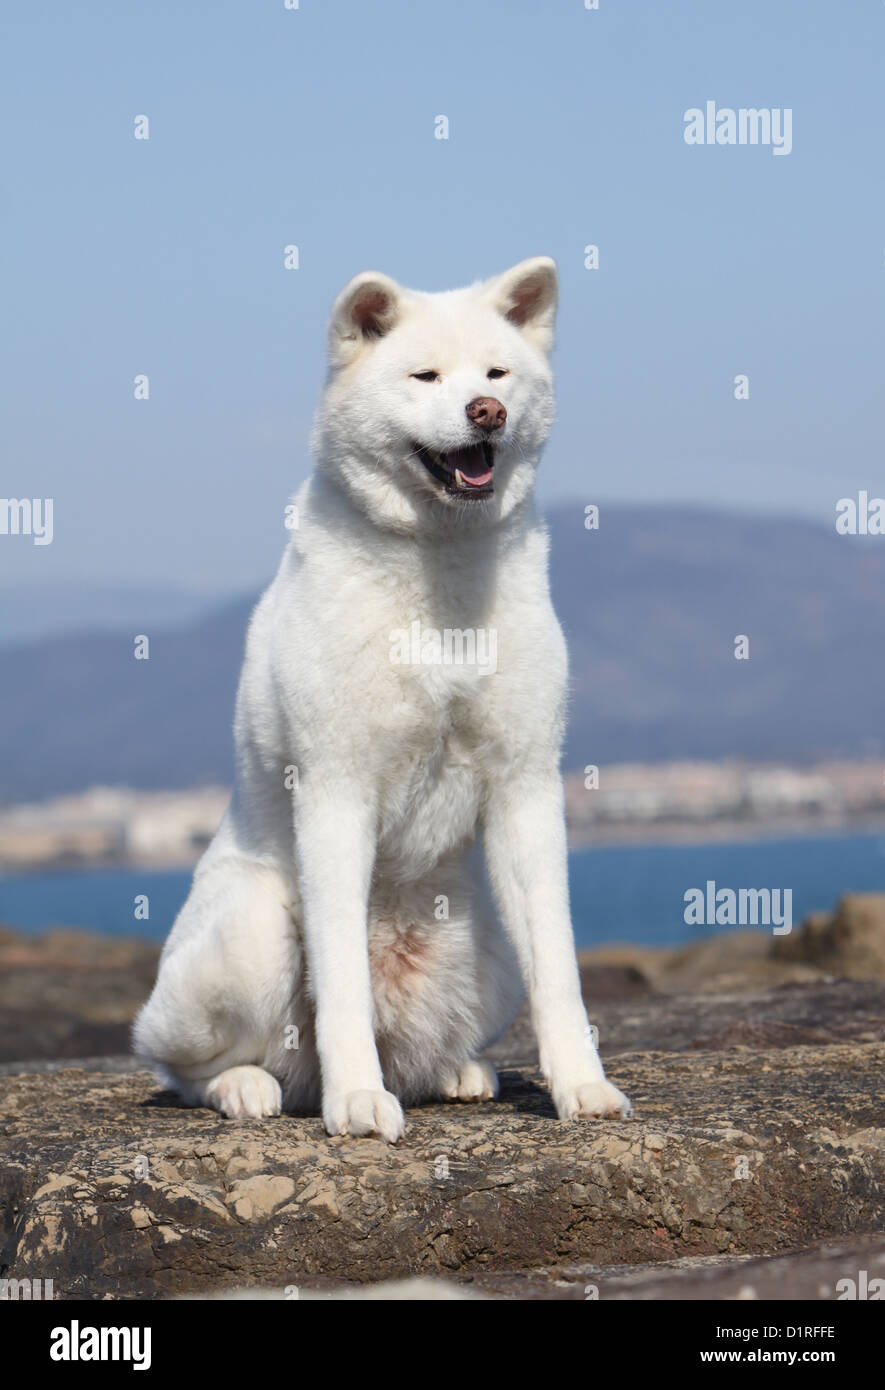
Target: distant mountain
27,614
80,710
651,602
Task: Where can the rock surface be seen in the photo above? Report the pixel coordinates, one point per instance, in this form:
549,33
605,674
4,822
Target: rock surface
755,1166
110,1189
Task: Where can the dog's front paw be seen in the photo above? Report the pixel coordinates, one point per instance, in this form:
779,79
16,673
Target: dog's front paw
592,1100
361,1113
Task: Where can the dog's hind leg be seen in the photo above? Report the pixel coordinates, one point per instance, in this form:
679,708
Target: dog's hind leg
229,994
242,1092
476,1080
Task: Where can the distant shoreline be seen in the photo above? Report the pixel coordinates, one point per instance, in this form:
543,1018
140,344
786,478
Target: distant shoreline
684,833
660,835
628,804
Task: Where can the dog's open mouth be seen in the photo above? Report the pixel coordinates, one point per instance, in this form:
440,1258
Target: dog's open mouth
463,472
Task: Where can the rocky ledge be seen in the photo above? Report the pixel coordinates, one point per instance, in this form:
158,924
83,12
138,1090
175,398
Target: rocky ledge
755,1165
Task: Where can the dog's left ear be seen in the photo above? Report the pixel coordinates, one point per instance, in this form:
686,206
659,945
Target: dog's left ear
367,308
526,295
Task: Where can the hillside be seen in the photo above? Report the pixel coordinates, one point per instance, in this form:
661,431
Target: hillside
651,604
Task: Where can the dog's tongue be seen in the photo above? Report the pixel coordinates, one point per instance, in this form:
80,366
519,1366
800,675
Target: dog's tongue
471,464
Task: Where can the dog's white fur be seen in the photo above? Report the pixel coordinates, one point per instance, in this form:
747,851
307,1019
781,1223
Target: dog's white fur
324,906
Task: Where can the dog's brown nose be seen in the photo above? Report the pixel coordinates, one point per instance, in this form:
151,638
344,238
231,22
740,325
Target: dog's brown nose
486,412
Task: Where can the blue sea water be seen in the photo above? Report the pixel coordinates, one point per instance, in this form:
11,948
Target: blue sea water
633,893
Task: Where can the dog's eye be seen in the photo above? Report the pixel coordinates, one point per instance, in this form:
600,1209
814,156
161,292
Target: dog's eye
426,376
494,372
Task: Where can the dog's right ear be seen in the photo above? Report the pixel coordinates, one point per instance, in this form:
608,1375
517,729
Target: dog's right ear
366,309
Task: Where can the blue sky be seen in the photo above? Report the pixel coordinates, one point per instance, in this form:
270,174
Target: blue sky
315,127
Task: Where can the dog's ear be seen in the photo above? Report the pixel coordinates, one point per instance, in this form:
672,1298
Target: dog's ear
367,308
526,295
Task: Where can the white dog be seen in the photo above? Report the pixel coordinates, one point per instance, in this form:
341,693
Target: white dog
402,695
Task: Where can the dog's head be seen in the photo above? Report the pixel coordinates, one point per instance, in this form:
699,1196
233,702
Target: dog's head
439,402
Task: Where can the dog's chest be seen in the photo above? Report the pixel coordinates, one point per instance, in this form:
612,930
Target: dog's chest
431,784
